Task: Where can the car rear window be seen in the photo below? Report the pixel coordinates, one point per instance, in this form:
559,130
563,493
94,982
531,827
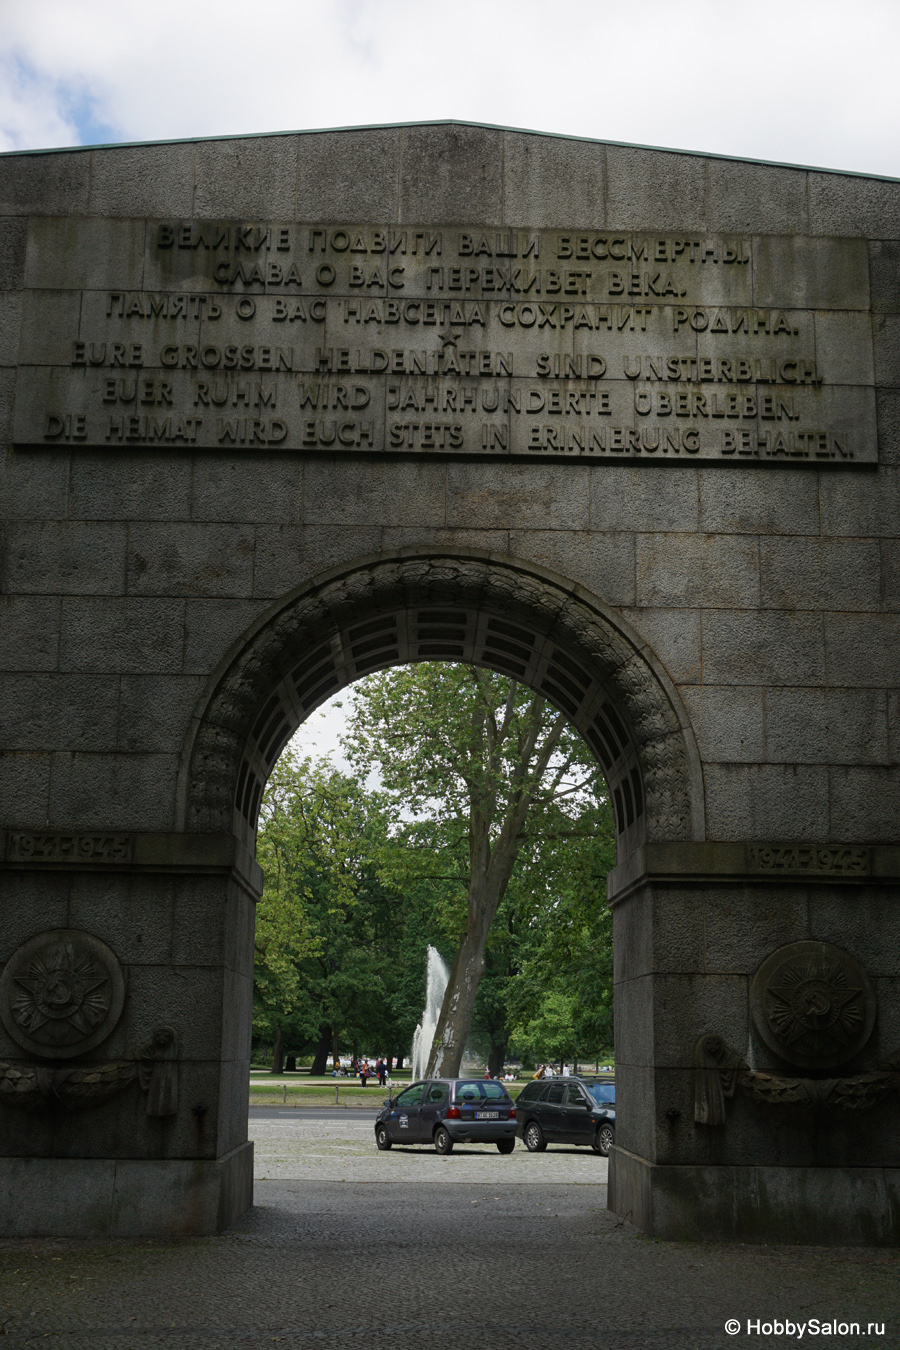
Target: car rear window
492,1090
602,1092
531,1090
464,1089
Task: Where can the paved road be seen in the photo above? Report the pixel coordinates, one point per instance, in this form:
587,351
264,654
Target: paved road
333,1145
503,1258
329,1265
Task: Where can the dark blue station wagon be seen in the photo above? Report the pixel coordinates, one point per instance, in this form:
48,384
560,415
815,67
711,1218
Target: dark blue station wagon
448,1111
568,1111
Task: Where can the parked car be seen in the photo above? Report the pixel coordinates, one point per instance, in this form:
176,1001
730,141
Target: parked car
567,1111
448,1111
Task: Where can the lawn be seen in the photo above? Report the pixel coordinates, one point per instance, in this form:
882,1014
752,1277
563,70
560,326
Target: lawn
318,1093
268,1089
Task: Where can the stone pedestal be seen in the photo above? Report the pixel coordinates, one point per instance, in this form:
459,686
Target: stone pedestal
797,1153
833,1206
124,1197
121,1138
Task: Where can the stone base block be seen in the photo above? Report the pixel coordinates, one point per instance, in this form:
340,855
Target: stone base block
819,1206
116,1197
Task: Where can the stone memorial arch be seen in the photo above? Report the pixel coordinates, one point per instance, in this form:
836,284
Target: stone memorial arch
624,423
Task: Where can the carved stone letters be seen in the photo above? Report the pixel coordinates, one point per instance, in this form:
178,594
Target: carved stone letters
601,345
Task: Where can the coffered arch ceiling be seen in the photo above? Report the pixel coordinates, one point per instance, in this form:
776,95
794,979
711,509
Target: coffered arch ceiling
489,610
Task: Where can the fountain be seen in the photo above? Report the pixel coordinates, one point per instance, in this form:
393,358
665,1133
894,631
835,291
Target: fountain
437,976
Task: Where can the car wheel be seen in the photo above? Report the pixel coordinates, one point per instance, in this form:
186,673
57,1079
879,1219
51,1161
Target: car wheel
505,1145
442,1141
382,1138
534,1138
604,1140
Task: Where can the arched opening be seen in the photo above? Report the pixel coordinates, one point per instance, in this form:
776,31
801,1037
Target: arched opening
435,816
484,609
488,610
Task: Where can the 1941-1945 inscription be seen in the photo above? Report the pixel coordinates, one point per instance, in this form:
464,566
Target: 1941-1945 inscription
362,338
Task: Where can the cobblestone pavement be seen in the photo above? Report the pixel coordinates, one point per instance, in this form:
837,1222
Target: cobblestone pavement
495,1263
293,1146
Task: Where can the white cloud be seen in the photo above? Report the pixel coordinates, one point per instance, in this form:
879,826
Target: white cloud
29,111
320,735
805,82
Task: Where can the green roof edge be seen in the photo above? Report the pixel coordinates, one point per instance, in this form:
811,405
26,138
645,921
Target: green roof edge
455,122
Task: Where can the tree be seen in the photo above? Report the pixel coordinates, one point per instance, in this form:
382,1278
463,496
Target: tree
327,920
344,921
491,767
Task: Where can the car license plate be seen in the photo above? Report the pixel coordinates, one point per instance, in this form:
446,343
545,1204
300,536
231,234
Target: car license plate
487,1115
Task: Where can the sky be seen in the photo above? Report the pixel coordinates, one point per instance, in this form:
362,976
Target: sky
319,736
798,82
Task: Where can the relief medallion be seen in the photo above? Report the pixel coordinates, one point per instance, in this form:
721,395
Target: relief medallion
813,1004
61,993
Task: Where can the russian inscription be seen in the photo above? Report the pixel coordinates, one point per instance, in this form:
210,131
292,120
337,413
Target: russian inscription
466,341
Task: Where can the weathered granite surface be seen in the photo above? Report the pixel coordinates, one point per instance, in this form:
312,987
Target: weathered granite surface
281,410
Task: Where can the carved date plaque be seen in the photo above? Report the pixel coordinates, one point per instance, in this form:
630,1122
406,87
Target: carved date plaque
50,846
813,1004
61,993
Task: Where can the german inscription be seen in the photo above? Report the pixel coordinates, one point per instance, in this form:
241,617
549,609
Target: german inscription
365,338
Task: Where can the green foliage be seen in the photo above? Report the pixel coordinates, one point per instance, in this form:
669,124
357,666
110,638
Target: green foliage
447,738
328,922
549,955
454,745
359,882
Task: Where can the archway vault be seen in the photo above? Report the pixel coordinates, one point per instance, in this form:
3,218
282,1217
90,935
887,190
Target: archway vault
492,610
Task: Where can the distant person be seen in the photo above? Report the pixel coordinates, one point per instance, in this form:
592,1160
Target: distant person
364,1072
565,1071
381,1069
487,1072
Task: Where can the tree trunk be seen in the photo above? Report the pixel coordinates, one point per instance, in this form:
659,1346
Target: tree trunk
490,870
492,856
459,1002
399,1059
290,1064
320,1059
497,1058
278,1052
